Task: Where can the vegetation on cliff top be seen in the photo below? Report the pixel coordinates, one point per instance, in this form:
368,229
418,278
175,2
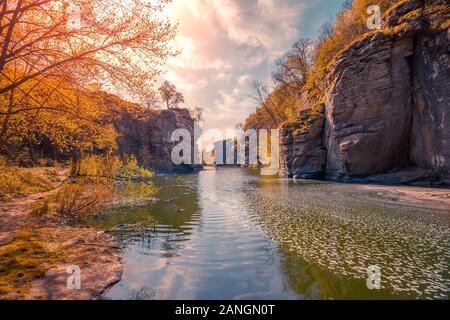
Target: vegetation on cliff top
298,80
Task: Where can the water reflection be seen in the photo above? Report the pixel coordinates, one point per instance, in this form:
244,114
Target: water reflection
338,231
229,234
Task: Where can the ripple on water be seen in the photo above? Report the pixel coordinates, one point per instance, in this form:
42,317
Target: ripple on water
244,237
342,233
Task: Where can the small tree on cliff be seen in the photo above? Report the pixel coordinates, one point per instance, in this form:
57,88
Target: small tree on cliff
170,95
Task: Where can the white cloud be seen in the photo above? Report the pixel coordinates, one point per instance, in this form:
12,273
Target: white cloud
226,44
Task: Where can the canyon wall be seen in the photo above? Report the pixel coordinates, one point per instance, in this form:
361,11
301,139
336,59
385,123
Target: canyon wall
386,113
147,136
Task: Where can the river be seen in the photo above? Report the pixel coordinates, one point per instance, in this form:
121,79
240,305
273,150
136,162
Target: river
230,234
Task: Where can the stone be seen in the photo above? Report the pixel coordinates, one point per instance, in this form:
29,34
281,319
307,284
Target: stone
404,177
147,135
75,241
386,110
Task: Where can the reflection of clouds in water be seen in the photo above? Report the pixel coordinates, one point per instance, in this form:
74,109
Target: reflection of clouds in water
242,237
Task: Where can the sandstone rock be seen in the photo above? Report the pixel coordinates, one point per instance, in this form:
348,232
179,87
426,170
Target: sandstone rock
430,136
302,150
148,137
75,241
368,110
387,106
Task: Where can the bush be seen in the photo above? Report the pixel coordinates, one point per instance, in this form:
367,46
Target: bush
79,199
20,182
112,167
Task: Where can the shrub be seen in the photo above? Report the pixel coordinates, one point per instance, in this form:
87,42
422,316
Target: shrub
19,182
79,199
112,167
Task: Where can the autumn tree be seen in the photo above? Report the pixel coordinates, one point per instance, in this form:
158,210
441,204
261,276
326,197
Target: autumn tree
170,96
54,53
151,100
123,41
292,69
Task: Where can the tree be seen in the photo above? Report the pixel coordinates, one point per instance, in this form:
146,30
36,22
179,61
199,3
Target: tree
151,100
170,96
262,95
293,68
49,64
347,5
123,41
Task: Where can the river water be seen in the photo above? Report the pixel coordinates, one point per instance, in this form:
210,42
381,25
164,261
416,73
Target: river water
230,234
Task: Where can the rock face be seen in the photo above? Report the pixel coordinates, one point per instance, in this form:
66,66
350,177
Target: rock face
387,109
303,154
148,137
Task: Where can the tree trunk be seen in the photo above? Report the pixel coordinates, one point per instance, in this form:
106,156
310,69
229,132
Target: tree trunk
75,163
32,151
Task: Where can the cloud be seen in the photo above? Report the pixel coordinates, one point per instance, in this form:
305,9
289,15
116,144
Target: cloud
225,44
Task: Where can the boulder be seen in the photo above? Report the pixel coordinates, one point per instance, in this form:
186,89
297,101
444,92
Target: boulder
404,177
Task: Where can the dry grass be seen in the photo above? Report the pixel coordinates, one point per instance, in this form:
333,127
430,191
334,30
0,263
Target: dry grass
103,181
21,262
75,200
20,182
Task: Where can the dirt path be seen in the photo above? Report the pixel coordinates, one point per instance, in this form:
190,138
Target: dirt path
14,213
94,252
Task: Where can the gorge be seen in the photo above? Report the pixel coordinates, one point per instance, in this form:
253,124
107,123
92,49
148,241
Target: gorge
385,116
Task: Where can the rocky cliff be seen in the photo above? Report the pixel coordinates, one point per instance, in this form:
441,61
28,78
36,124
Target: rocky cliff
386,113
147,135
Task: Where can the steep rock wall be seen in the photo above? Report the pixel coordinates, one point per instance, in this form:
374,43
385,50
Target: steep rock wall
148,137
387,110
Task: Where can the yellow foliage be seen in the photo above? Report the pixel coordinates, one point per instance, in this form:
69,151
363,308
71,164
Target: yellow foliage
19,182
349,26
69,118
110,166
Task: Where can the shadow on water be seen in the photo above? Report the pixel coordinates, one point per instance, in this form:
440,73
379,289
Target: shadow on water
229,234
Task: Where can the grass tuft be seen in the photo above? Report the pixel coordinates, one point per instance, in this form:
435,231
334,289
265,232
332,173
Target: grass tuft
21,262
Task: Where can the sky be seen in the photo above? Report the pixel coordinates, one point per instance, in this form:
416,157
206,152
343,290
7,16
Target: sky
228,43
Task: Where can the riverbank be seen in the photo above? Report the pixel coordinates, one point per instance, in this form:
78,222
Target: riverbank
423,197
35,253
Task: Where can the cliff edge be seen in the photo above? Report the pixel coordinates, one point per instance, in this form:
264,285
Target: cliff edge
385,117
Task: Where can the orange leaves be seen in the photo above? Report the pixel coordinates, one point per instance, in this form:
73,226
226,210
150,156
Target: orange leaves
55,53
